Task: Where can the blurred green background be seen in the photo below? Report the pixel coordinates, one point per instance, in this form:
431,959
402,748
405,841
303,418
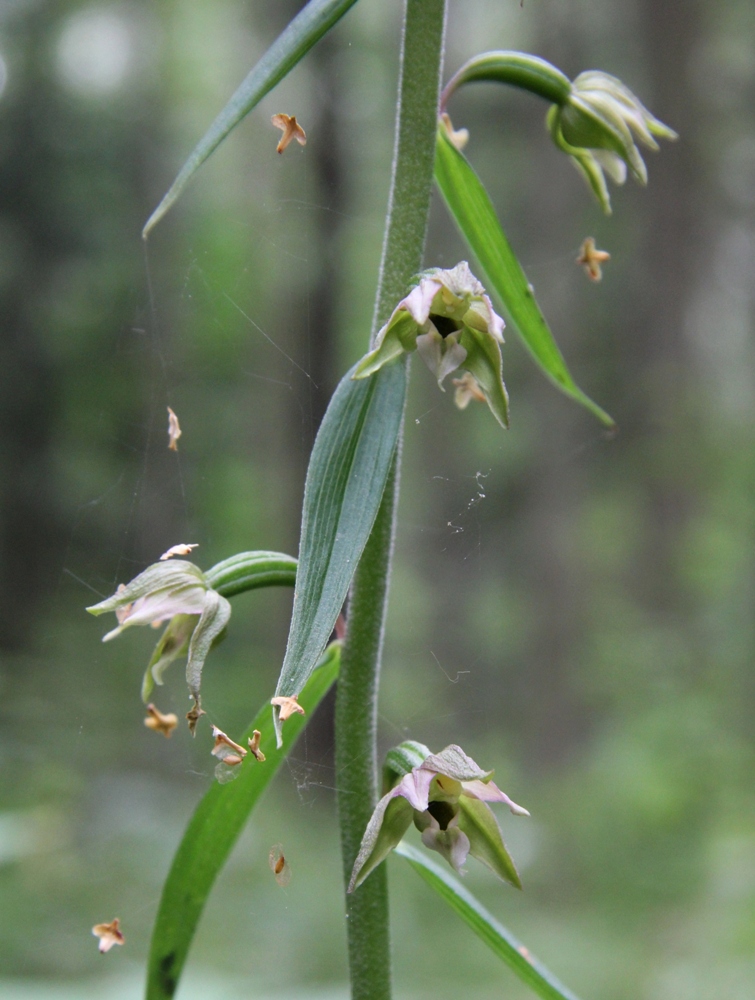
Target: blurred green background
577,612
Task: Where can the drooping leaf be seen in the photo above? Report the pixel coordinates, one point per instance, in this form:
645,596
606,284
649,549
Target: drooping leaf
347,473
307,28
483,923
211,834
472,209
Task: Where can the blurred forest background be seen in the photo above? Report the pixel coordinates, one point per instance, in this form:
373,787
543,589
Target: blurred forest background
576,611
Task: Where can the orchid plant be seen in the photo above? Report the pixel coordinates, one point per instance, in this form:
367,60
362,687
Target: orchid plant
449,318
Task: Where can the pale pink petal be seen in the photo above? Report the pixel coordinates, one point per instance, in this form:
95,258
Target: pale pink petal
415,788
419,301
488,791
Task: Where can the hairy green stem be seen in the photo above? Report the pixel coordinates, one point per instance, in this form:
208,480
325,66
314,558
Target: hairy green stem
356,707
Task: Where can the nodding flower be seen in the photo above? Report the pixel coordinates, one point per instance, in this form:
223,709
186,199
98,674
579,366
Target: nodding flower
450,321
599,126
176,592
445,795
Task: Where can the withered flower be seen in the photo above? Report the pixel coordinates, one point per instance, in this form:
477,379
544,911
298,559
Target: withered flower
109,935
287,706
291,130
174,430
467,389
159,722
254,746
591,258
178,550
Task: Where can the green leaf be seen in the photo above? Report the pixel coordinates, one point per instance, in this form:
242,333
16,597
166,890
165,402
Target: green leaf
250,570
505,945
307,28
347,473
473,211
212,832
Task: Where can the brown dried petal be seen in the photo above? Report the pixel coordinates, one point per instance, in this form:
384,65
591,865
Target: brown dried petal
287,706
291,130
254,746
178,550
159,722
109,935
223,744
174,430
590,258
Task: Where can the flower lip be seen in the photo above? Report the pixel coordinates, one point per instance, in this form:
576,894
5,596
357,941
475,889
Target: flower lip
444,324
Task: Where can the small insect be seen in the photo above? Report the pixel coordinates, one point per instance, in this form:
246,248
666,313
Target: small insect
279,866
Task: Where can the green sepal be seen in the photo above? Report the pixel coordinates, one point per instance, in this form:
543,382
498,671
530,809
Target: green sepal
214,618
388,824
173,643
485,840
582,159
175,575
400,338
483,360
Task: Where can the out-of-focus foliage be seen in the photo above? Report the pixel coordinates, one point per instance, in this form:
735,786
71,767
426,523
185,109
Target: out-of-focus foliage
577,609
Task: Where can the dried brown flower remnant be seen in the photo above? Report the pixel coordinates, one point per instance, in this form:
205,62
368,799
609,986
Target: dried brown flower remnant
291,130
159,722
254,746
225,748
109,935
287,706
192,716
279,866
591,258
174,430
178,550
459,137
467,389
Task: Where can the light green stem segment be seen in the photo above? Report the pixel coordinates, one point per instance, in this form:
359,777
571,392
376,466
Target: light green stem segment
515,68
356,707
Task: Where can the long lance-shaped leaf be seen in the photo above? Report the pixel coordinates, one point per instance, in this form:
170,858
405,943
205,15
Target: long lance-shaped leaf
347,473
307,28
505,945
211,834
473,212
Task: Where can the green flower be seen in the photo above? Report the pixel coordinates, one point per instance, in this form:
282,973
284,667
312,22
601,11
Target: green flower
176,592
445,794
450,321
599,125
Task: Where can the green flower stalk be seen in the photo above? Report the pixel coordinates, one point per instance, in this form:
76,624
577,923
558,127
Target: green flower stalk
450,321
445,795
